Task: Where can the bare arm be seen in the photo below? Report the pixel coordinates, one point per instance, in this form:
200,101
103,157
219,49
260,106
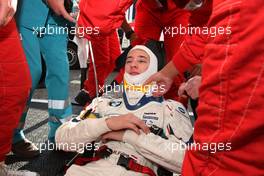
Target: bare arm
58,7
7,11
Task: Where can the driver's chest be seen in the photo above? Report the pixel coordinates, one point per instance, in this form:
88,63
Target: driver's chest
151,113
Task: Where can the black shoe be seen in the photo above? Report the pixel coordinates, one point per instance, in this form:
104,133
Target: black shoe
83,98
25,149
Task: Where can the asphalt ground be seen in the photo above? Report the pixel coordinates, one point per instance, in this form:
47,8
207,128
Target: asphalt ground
50,162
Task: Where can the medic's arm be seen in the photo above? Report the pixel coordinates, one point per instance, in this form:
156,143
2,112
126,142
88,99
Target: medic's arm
192,50
169,152
80,131
190,53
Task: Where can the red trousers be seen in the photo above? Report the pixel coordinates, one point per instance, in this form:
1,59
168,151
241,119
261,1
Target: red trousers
105,50
15,83
150,21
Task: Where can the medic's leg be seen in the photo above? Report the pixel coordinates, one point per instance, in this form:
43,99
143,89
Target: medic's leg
15,84
31,48
54,49
14,91
102,59
147,25
102,56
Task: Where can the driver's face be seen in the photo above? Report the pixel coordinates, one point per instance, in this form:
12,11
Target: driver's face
137,62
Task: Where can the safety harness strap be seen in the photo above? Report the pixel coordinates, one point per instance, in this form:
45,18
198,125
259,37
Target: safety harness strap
124,161
84,160
130,164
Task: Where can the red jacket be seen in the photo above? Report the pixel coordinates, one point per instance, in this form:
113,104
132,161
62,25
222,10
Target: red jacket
103,14
230,112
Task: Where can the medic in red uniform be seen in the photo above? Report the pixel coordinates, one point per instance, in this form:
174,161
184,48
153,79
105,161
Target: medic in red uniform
15,83
232,92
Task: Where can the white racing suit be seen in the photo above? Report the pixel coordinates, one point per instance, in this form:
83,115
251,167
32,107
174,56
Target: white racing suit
166,150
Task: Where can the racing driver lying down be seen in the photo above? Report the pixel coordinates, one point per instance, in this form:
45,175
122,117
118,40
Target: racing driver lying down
135,133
